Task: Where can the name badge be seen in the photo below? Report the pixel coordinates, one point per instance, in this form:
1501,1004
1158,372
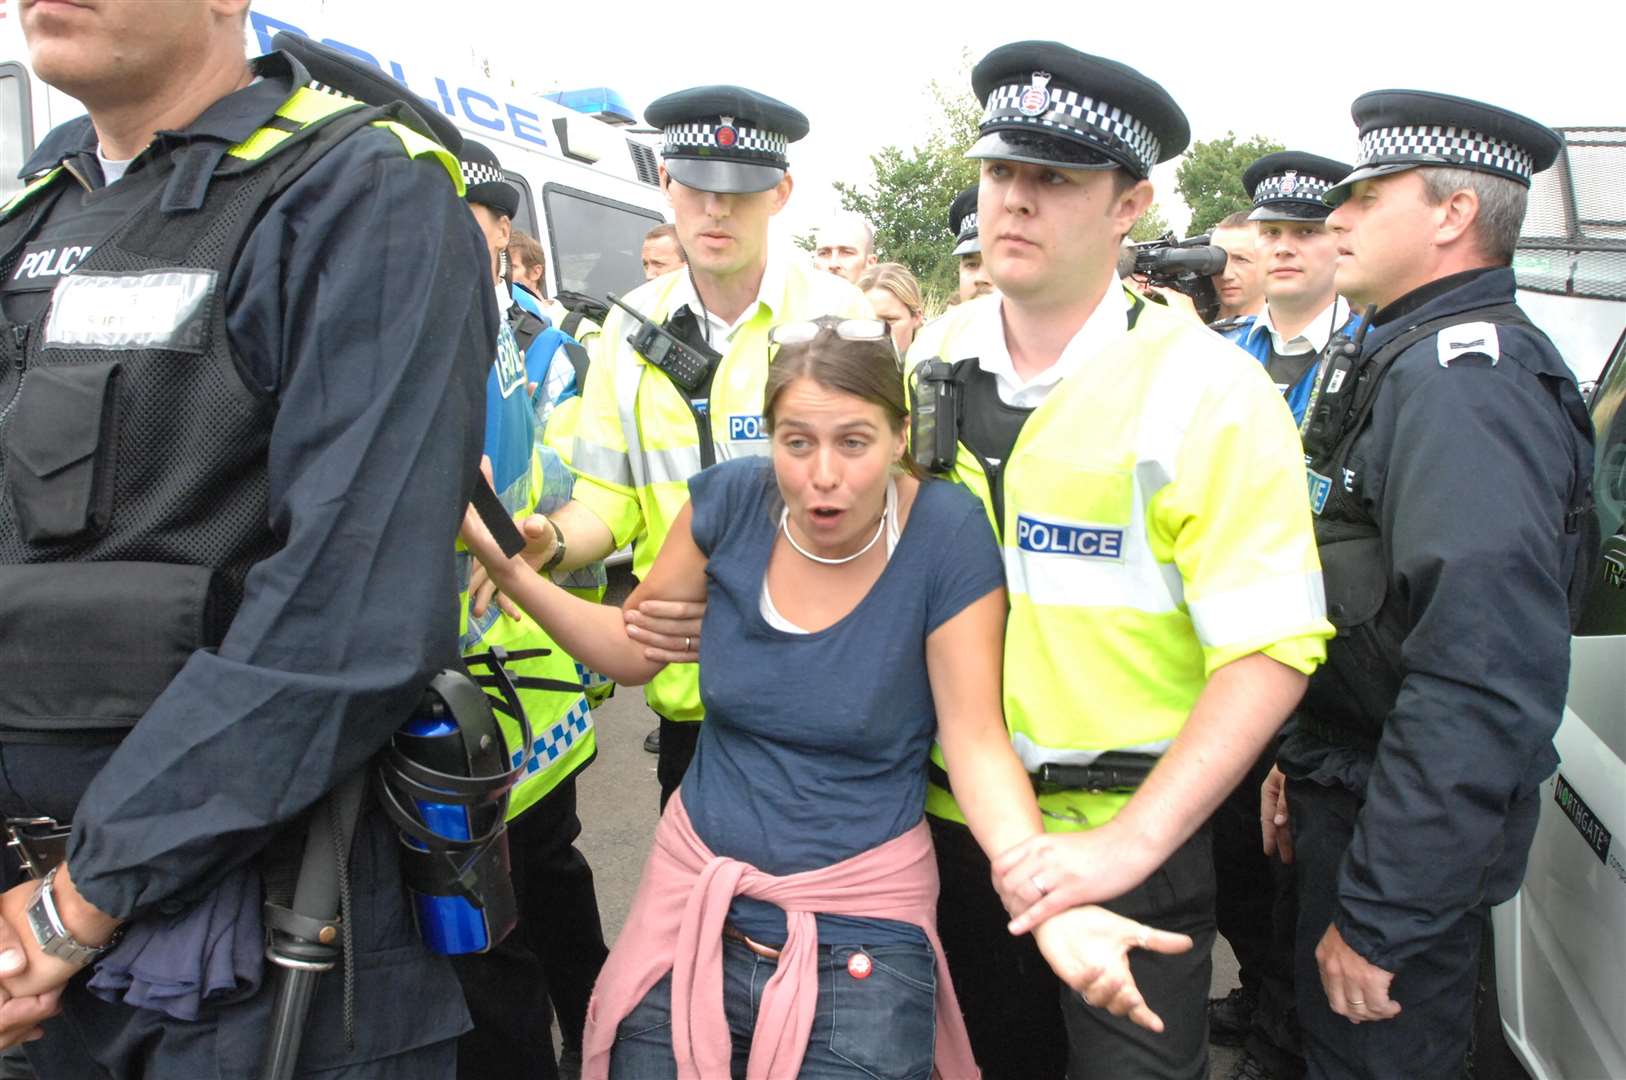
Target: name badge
159,309
746,427
1082,541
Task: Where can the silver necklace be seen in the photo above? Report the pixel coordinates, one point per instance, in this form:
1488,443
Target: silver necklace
784,526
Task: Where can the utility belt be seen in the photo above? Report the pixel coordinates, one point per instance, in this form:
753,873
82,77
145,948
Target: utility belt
1114,771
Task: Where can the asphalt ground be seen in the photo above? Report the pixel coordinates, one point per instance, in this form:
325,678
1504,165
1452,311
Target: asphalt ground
618,798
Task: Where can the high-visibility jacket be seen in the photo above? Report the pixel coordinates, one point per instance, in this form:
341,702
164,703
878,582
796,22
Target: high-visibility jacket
562,737
1154,530
637,443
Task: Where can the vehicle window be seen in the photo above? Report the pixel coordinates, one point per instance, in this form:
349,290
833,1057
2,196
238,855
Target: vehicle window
597,242
1605,611
16,127
525,221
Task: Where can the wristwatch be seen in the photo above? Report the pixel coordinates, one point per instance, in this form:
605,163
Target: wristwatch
558,555
53,937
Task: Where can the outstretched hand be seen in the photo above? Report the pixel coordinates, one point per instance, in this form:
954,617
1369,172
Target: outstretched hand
1088,949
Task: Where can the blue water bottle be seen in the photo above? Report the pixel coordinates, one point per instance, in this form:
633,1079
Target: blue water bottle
444,781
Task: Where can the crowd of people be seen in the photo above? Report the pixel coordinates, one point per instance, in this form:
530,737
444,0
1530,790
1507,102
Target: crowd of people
999,659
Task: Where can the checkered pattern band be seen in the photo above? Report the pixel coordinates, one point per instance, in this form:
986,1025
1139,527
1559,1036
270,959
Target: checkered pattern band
1436,145
749,142
968,226
324,88
1074,114
1291,186
478,172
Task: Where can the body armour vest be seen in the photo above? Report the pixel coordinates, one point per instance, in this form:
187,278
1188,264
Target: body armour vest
1358,685
133,448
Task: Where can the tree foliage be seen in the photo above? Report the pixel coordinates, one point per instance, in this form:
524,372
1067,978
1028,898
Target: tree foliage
1209,178
1151,225
908,197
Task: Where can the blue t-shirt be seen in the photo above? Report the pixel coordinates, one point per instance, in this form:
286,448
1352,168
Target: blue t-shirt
814,746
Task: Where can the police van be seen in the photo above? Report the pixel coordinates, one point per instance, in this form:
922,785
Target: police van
588,185
1553,984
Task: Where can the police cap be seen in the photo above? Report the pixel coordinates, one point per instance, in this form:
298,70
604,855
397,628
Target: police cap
962,222
482,175
725,138
1288,186
1402,129
1047,104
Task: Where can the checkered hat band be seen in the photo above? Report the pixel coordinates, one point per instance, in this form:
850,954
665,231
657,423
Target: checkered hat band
1304,188
1458,146
478,172
748,141
968,226
1075,114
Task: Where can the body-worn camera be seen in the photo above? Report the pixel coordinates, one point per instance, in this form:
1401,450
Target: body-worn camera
934,414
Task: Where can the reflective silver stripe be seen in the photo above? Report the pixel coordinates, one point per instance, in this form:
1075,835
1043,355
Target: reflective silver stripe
1033,755
627,373
671,466
1263,611
600,462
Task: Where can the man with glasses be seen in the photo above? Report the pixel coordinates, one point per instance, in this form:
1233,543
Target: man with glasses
642,432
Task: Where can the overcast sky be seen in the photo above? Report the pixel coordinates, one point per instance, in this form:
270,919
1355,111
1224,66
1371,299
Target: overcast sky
861,70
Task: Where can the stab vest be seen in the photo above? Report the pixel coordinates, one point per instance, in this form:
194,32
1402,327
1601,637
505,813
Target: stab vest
1360,682
134,475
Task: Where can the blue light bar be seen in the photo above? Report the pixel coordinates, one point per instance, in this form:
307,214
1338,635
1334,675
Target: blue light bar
599,101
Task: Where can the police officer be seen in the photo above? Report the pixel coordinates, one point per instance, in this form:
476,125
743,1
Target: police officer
243,423
1449,474
558,947
1298,254
1142,477
962,225
641,435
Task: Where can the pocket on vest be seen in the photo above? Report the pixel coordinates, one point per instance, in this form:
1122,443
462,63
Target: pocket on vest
88,647
61,450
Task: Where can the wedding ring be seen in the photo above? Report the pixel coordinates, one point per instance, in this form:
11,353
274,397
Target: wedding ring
1142,936
1038,885
1357,1001
685,642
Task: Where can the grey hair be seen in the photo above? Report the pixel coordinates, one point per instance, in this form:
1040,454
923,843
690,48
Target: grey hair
1501,206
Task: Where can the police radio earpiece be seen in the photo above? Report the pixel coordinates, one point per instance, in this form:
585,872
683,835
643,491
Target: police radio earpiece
1334,391
686,364
934,414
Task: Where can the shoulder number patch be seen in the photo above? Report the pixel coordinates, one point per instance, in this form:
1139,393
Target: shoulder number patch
1468,339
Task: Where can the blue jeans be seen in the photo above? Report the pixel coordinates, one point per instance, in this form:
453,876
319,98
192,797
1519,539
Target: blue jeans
881,1027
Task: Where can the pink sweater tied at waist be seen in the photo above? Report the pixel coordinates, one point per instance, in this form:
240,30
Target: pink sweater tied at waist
676,925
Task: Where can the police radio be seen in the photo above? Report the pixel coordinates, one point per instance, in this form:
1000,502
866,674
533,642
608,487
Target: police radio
934,414
686,364
1333,394
444,782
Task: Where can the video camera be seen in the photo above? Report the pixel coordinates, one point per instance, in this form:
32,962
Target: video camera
1186,266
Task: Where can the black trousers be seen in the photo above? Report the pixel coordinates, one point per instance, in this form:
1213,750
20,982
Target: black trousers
1178,896
1256,910
1435,989
1009,996
678,742
548,963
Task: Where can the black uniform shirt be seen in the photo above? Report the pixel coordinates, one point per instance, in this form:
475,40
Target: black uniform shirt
1467,468
357,302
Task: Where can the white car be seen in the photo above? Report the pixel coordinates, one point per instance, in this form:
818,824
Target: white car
1559,974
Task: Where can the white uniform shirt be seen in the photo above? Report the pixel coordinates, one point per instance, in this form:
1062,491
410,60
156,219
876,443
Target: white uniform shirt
1314,336
1106,324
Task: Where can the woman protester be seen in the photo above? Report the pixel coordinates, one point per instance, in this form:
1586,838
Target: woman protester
894,296
853,613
